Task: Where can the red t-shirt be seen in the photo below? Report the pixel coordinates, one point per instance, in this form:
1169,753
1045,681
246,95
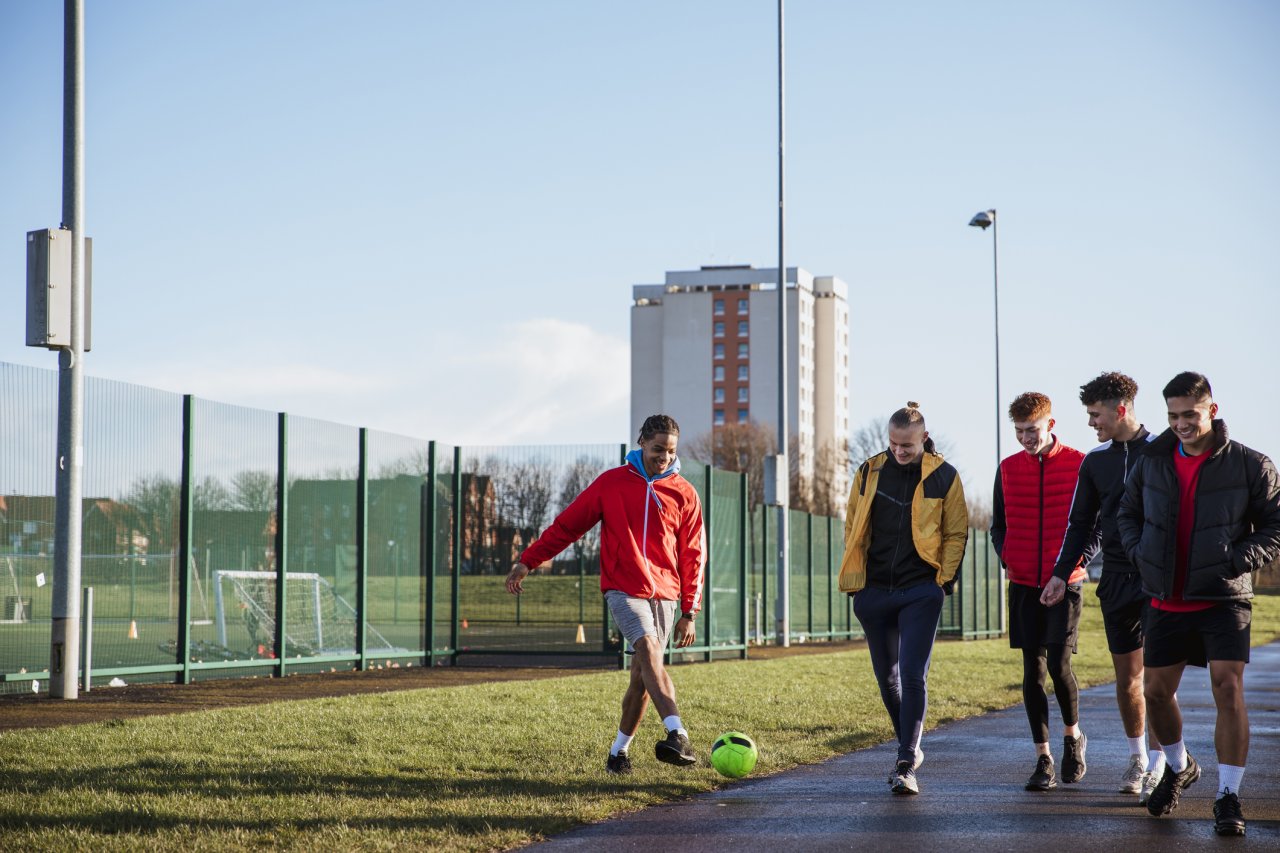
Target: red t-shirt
1188,470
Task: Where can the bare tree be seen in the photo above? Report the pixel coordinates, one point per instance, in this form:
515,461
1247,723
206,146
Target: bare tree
873,437
736,447
580,475
979,511
829,486
254,491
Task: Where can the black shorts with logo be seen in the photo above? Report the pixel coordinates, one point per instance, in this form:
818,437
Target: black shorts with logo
1218,633
1032,625
1124,605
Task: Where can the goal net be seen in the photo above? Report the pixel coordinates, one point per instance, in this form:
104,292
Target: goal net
317,619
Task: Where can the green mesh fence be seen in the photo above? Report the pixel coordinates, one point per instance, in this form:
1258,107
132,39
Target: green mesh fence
420,581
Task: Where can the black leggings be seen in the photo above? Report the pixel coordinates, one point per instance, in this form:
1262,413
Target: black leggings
1057,659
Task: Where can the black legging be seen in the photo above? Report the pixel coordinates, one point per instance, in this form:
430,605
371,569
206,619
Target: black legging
1057,659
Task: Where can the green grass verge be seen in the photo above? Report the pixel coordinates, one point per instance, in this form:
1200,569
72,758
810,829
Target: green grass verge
469,768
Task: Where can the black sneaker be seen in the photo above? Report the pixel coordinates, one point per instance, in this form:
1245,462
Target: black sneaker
1073,765
1164,798
619,764
1227,817
904,779
675,750
1043,778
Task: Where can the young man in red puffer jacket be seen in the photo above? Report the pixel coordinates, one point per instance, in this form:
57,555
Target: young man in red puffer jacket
1029,513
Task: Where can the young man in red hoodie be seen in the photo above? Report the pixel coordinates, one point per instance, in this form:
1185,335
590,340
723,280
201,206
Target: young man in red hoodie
652,558
1028,520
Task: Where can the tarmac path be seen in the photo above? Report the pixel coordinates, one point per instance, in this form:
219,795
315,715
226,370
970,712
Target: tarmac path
972,796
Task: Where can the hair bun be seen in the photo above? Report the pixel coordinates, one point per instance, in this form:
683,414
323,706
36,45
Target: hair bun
912,404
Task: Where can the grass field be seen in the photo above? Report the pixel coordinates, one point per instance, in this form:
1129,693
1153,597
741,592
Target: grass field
470,768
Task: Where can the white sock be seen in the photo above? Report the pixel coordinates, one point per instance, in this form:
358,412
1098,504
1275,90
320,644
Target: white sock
620,743
1138,747
1155,762
1229,778
673,724
1176,755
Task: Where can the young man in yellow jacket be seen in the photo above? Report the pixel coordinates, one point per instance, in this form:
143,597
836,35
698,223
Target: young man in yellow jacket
904,532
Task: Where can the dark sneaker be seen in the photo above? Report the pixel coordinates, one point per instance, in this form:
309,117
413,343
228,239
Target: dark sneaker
904,779
620,764
1043,778
675,750
1073,765
1227,817
1164,798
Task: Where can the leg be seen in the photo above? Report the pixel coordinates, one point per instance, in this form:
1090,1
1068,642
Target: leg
634,702
1160,689
917,629
1034,699
1065,687
1133,708
657,683
879,626
1231,733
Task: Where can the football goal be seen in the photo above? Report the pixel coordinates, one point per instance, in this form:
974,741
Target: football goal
317,619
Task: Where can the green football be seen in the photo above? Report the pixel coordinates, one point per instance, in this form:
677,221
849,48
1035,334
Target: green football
733,755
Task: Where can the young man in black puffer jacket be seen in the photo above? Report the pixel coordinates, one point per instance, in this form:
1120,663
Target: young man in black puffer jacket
1199,514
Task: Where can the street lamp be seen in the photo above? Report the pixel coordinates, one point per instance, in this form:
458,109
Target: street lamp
987,219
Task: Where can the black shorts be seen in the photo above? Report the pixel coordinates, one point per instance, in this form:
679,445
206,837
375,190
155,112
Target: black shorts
1218,633
1032,625
1124,605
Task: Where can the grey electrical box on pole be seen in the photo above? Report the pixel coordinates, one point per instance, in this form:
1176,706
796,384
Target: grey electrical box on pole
49,302
776,480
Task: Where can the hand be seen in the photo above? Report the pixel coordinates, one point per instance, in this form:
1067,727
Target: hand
515,579
1054,590
685,633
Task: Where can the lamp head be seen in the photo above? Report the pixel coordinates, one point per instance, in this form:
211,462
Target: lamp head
984,219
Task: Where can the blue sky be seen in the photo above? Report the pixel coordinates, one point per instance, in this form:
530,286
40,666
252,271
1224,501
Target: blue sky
427,217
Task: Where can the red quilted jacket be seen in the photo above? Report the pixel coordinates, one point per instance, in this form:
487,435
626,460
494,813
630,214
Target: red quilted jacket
1029,512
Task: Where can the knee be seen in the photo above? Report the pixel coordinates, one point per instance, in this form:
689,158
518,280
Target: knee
1157,692
1228,690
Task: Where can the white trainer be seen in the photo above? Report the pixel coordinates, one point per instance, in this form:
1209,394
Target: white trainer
1131,781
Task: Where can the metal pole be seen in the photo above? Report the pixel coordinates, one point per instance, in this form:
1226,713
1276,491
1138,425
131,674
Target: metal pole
88,638
64,649
995,267
783,537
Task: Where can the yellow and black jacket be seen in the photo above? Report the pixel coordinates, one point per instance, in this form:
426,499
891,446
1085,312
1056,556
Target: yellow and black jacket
939,519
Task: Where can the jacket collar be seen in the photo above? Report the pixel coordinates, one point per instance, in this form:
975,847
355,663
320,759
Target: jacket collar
1167,442
635,459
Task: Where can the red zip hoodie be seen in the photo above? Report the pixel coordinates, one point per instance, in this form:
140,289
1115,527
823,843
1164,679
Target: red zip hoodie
651,533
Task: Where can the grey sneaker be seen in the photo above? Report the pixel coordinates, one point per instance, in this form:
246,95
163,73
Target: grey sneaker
915,765
1131,781
904,779
1149,781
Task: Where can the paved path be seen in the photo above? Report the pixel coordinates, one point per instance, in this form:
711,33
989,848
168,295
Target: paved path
972,796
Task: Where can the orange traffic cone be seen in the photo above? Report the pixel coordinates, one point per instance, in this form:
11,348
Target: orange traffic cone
133,629
582,636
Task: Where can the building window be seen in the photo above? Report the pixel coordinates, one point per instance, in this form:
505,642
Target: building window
742,350
742,394
719,351
719,395
742,328
719,308
742,416
719,373
742,373
742,306
719,417
719,330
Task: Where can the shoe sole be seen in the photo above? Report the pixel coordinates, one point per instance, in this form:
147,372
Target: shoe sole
903,790
669,756
1130,789
1229,830
1049,787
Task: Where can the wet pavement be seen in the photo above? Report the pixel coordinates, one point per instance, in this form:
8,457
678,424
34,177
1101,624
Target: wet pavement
971,792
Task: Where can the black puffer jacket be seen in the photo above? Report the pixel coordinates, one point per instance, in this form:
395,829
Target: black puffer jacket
1236,527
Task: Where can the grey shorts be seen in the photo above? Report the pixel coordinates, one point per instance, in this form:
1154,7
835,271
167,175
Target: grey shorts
641,617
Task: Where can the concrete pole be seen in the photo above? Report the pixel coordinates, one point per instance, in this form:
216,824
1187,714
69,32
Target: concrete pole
64,653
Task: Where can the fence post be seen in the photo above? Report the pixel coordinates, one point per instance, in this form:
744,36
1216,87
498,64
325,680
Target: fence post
743,563
808,547
186,501
282,537
708,517
428,535
764,569
455,598
832,587
362,549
